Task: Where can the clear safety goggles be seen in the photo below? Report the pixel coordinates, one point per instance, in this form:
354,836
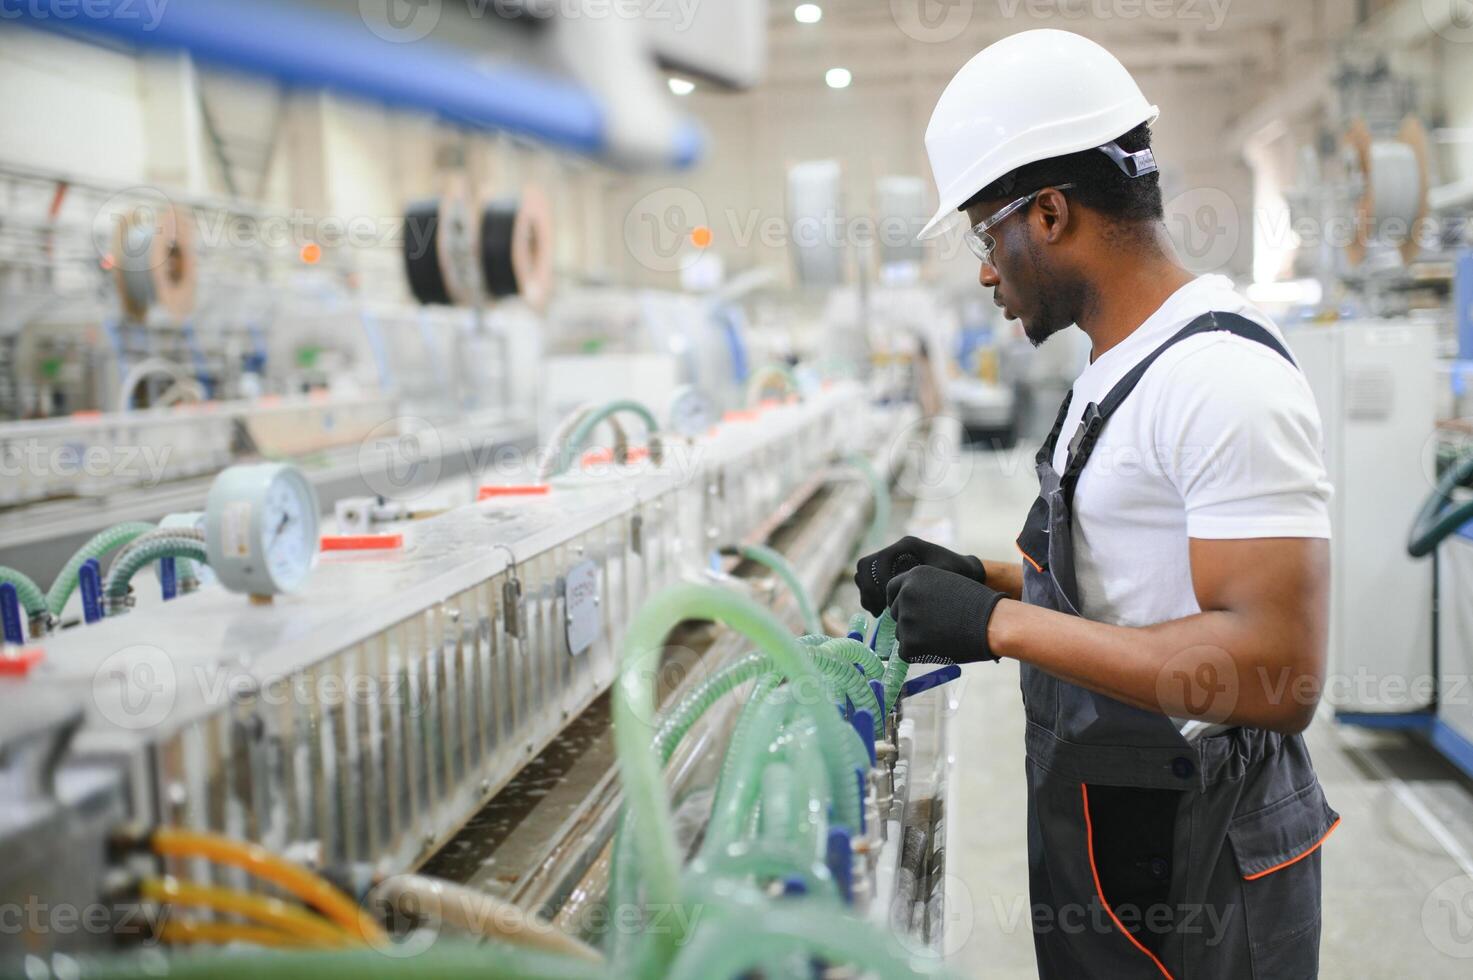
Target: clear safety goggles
979,238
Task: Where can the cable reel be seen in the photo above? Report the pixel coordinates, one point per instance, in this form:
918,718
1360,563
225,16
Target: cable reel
1393,177
155,263
459,252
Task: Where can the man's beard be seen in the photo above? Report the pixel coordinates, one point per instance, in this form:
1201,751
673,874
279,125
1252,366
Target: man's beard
1054,302
1049,321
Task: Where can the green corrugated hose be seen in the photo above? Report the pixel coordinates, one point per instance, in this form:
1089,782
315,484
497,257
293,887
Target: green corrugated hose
678,720
101,543
857,653
137,559
584,430
885,636
780,567
32,600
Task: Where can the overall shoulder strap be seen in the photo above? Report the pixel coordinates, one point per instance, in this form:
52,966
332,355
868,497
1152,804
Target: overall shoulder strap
1052,440
1096,415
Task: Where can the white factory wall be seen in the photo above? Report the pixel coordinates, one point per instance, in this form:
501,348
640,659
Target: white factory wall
137,121
876,130
1456,88
72,106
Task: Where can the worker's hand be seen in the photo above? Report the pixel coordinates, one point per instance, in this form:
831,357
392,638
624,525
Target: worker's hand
874,571
941,617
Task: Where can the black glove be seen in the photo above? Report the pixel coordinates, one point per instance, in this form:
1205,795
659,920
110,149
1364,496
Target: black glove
941,617
874,572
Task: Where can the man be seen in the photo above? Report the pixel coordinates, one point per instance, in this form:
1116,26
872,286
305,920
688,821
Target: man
1170,609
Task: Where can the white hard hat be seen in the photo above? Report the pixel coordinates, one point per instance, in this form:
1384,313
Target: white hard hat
1029,97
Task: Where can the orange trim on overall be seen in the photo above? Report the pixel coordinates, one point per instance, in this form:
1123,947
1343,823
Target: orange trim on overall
1028,558
1089,839
1294,860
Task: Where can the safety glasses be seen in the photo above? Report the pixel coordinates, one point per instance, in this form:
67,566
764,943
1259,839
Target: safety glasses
979,238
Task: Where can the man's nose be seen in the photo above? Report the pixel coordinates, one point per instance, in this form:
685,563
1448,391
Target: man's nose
987,276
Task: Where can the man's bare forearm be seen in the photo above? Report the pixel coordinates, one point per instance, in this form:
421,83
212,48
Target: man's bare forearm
1215,666
1006,577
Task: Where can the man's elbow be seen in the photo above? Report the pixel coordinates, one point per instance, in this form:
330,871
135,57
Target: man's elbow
1291,719
1290,710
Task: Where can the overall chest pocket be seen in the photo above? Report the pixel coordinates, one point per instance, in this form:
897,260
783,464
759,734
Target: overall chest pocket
1277,849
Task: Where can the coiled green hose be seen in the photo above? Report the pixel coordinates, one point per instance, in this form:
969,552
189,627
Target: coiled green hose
780,566
32,600
100,544
858,653
755,932
885,636
569,451
780,806
160,534
896,670
839,670
768,860
128,565
633,713
738,789
806,761
679,720
763,378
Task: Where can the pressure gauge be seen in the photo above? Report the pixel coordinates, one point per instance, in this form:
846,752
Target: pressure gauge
261,528
690,412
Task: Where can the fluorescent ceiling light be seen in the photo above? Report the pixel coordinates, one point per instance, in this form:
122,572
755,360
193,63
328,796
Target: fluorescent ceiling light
838,77
681,86
808,13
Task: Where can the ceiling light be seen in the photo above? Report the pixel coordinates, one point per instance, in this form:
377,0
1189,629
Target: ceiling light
838,77
808,13
681,86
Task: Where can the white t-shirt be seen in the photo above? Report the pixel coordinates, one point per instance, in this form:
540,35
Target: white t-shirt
1220,439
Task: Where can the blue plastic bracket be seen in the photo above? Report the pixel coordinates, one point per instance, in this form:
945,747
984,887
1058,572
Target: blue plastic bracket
90,581
840,859
169,577
859,779
879,692
934,679
864,724
10,614
856,635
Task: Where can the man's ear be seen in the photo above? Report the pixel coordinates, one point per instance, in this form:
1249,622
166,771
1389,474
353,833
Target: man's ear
1054,216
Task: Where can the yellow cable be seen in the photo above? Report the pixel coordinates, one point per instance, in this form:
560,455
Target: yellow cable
293,921
306,885
220,933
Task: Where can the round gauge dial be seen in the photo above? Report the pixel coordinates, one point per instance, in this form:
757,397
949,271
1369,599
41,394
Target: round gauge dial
261,528
690,412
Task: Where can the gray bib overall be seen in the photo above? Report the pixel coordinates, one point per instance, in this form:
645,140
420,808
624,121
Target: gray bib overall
1151,856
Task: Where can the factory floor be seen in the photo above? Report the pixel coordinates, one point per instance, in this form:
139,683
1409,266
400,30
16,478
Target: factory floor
1398,873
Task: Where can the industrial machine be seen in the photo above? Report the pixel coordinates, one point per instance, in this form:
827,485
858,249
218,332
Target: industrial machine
393,702
1372,382
1441,529
332,661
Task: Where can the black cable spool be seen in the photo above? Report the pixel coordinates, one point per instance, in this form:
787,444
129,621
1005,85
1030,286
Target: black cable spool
422,253
498,232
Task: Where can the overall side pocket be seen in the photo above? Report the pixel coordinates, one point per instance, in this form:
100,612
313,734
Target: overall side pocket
1277,849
